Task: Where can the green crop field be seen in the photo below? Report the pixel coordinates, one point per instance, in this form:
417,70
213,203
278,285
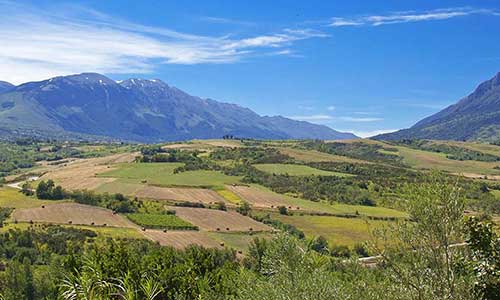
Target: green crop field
296,170
160,221
163,174
338,231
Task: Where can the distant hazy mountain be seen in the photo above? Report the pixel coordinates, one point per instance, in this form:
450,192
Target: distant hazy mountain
92,105
4,86
475,117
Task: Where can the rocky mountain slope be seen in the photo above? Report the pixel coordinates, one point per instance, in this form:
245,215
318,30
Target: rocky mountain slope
92,105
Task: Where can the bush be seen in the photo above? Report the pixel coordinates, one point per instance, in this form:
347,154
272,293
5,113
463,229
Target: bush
340,251
283,210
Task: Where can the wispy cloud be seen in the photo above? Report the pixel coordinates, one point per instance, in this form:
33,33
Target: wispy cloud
312,118
37,44
408,16
331,108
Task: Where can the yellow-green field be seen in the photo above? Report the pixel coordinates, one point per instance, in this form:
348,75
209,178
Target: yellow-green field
229,196
162,174
296,170
338,231
336,208
12,198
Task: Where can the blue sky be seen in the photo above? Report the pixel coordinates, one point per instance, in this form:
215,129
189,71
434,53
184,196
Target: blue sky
359,66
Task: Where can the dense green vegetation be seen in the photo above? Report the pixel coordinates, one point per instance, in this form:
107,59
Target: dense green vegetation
251,155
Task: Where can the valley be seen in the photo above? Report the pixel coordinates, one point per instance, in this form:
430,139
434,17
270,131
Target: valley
225,192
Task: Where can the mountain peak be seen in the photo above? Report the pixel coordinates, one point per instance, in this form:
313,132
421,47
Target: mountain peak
143,83
137,110
475,117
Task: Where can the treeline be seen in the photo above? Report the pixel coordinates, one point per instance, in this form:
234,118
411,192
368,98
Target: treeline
451,151
251,155
315,188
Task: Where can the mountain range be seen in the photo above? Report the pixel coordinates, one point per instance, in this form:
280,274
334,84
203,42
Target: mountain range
475,117
91,105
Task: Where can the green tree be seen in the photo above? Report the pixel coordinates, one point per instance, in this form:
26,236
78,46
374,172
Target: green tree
484,244
422,255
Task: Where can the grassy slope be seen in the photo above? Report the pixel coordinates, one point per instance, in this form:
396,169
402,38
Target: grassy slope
429,160
163,174
12,198
338,231
339,208
296,170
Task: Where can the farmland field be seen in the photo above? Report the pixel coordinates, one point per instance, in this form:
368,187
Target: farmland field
261,197
205,196
296,170
75,213
163,174
430,160
316,156
181,239
160,221
338,231
211,219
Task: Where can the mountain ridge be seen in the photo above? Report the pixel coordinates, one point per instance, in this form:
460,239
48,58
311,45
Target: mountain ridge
474,117
93,105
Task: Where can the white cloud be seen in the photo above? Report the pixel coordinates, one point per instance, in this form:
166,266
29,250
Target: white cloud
366,134
312,118
331,108
337,22
410,16
356,119
37,44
